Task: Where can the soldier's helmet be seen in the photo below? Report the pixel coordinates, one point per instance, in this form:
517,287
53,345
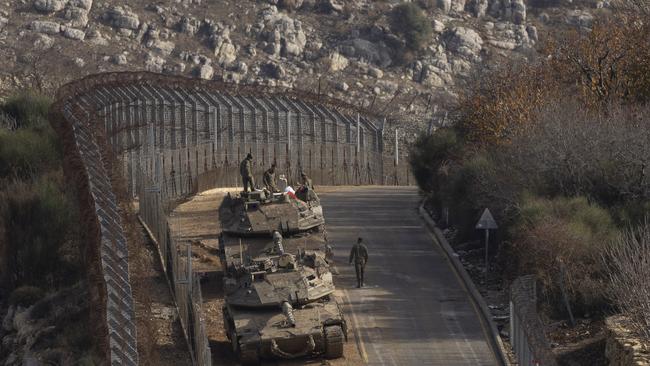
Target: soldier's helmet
277,236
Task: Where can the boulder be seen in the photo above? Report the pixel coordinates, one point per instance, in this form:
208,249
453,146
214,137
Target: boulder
189,25
83,4
375,72
205,72
329,6
458,6
225,53
374,52
154,63
119,17
273,70
580,18
49,6
289,4
518,11
464,41
444,5
3,22
342,86
45,27
284,34
119,59
335,62
164,48
76,34
77,17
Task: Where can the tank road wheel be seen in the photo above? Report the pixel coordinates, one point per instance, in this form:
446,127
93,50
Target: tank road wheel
248,355
333,341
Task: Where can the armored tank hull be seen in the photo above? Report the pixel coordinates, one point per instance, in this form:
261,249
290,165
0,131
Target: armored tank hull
319,329
258,214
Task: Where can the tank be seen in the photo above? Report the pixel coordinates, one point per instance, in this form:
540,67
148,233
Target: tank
261,213
279,305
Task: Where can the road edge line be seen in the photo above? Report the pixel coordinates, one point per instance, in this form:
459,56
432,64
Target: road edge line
496,343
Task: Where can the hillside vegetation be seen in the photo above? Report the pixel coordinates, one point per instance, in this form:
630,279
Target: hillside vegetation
558,150
43,290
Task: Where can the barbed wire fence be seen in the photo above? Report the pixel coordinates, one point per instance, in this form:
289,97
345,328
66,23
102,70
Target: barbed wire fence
175,137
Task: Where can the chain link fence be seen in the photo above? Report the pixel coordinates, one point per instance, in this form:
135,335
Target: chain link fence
174,137
527,336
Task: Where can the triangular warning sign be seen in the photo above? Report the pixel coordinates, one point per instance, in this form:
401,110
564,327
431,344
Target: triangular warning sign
486,221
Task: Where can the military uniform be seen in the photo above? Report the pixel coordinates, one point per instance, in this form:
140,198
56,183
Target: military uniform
269,180
246,171
359,254
306,181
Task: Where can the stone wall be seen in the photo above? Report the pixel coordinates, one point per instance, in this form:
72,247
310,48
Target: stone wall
622,348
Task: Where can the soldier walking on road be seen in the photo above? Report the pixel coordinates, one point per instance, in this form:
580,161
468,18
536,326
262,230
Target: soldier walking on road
359,254
246,171
269,179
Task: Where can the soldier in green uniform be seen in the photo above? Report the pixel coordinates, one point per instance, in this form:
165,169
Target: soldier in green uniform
306,181
359,254
246,171
269,179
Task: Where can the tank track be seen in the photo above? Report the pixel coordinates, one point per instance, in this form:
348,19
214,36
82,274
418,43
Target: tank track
333,341
248,355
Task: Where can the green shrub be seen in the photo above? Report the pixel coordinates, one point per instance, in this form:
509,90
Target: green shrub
429,157
567,234
26,153
30,110
26,296
409,20
36,220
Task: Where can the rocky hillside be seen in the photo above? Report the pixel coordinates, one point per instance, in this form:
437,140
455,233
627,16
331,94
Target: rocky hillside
347,49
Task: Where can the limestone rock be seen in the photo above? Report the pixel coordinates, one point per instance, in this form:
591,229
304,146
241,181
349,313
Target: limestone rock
205,72
76,34
374,52
46,27
335,62
119,17
154,63
342,86
329,6
273,70
444,5
375,72
464,41
77,17
49,6
164,48
120,59
283,33
189,25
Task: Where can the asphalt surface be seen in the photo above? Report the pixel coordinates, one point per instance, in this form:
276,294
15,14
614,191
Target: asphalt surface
413,309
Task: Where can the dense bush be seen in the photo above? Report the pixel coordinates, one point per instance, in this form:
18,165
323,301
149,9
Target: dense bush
409,20
560,241
627,261
558,150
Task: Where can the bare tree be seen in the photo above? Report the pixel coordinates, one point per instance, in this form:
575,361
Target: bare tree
628,261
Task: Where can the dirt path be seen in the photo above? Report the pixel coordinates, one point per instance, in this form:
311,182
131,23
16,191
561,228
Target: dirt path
160,336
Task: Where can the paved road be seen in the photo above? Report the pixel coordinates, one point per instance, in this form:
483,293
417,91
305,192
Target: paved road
413,310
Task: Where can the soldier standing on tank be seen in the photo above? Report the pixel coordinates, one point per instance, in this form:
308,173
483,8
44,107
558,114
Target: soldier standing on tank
359,254
306,181
269,179
246,171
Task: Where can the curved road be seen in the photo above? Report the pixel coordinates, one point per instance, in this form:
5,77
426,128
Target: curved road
413,310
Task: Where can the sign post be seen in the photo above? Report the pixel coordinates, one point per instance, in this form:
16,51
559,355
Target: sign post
486,222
